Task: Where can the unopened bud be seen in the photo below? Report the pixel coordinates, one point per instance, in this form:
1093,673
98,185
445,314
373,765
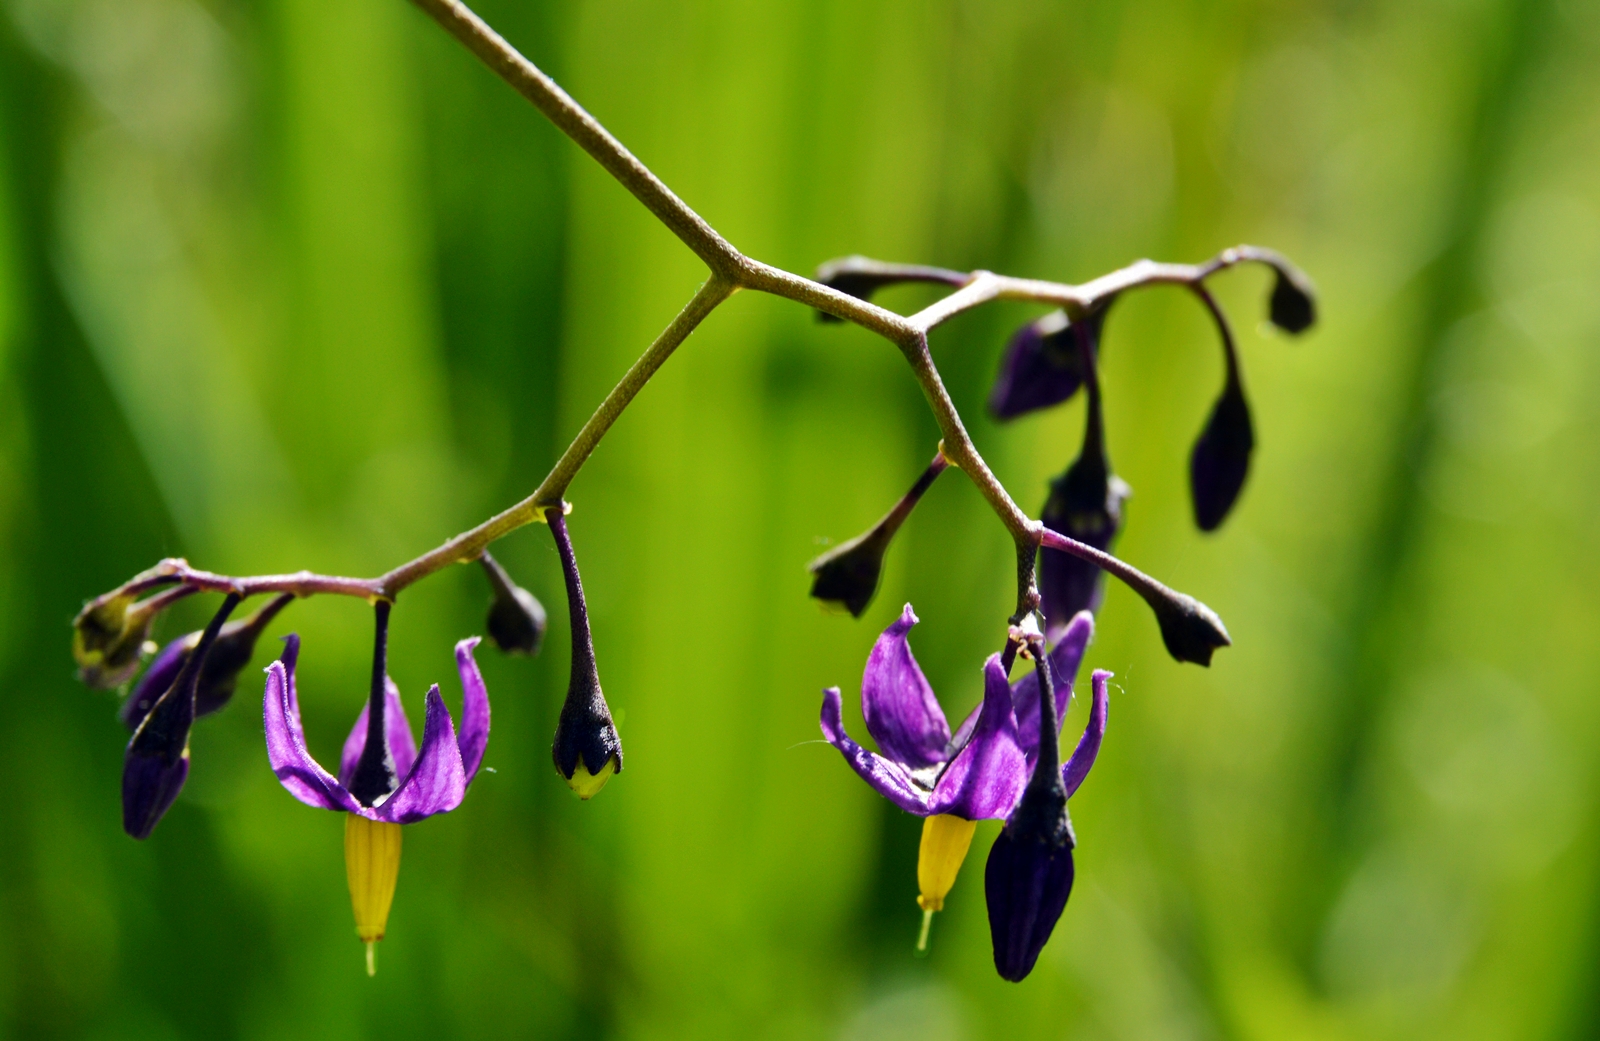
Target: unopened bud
157,760
1190,629
586,749
1043,363
219,677
517,619
1293,306
848,574
1221,457
108,637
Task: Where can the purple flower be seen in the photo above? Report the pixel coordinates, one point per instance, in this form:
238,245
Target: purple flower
385,780
954,780
433,779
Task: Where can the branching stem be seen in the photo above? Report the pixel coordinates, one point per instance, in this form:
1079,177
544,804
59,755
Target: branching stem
730,271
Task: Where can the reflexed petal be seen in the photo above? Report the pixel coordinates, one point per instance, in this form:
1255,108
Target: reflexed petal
1077,767
1064,662
474,735
986,777
901,712
1026,884
890,780
286,742
437,782
397,733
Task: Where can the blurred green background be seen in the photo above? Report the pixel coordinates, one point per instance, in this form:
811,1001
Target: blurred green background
297,283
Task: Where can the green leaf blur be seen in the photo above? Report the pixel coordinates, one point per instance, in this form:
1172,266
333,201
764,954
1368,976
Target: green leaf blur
297,283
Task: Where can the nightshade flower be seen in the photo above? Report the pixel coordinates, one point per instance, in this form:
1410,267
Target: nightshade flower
384,779
952,781
1029,874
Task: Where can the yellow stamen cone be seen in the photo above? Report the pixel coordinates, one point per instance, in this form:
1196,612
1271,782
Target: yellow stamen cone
372,863
587,785
945,841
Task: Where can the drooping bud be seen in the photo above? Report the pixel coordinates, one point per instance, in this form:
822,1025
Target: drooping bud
1029,874
372,865
374,776
1086,504
157,760
945,841
860,277
1043,363
220,676
517,619
1220,461
1190,629
586,748
848,574
1293,305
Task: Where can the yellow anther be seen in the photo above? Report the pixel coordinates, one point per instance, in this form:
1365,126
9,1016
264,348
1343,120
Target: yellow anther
372,863
945,840
586,784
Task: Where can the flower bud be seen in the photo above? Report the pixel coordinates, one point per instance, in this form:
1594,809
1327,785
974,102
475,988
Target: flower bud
1043,363
157,760
517,619
847,575
1190,629
1293,306
586,749
1220,460
234,647
108,637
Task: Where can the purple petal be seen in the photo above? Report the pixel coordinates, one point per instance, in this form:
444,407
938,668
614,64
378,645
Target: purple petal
986,777
474,735
149,785
397,732
1077,767
901,712
890,780
305,779
437,782
1064,661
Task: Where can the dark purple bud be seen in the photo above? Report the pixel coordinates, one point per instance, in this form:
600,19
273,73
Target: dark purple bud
1043,364
860,277
1221,457
848,574
1293,307
234,647
517,619
157,760
375,776
1190,629
1029,874
586,749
